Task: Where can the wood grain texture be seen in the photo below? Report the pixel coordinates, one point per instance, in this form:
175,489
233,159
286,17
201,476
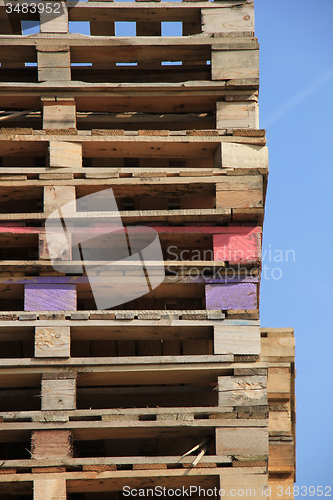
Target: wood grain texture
281,456
65,154
242,391
48,444
57,196
237,339
53,66
231,296
59,394
52,342
58,114
241,157
49,297
235,64
241,441
50,489
237,115
228,20
55,22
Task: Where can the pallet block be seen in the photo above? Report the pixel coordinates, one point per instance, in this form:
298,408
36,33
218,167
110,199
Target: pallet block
238,247
50,489
235,64
49,297
231,296
53,65
58,394
242,157
54,22
51,444
242,441
228,20
237,115
57,196
52,342
237,337
58,113
246,390
65,154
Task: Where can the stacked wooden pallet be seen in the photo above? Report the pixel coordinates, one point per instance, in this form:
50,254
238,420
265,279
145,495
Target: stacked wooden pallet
177,387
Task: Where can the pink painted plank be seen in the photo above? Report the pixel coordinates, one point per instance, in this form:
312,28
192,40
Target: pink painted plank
231,296
139,229
239,246
49,297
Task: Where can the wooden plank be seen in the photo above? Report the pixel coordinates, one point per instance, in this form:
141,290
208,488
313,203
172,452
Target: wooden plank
55,22
238,248
49,297
52,342
65,154
237,115
251,441
228,20
248,390
237,338
48,444
50,489
235,64
57,196
58,394
231,296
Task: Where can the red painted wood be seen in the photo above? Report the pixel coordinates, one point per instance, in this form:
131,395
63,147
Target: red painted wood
140,229
238,246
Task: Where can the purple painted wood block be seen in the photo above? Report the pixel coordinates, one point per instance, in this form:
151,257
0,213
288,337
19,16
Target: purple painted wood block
49,297
231,296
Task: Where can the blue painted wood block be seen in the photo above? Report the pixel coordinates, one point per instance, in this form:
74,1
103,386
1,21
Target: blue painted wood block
49,297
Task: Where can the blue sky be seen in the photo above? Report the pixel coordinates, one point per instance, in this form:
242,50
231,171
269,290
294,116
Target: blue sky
296,108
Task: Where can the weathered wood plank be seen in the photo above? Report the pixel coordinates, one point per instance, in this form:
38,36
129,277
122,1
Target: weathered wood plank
49,297
237,339
52,342
58,394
